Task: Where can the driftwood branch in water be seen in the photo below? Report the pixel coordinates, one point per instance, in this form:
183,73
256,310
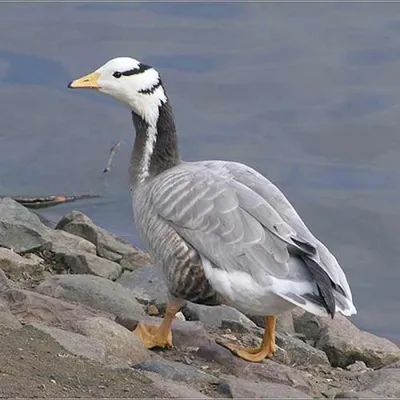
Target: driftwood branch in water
113,150
49,201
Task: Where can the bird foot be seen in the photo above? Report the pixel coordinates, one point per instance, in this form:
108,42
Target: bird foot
257,354
153,336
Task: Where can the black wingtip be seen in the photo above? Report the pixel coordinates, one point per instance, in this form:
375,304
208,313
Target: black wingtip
70,85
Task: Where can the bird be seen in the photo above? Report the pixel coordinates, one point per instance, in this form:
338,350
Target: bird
221,232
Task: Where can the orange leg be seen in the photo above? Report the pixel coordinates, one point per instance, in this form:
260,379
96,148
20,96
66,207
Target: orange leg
158,336
266,349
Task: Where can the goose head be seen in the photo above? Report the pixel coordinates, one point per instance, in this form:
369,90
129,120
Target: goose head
130,82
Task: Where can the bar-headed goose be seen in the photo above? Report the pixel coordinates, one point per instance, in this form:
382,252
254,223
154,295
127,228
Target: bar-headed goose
221,231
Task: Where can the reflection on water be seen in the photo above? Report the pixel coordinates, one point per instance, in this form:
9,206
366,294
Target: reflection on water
306,93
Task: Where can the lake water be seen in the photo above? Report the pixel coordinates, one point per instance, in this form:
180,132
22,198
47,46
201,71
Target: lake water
306,93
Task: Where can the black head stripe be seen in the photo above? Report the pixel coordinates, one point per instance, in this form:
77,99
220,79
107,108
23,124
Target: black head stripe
135,71
151,89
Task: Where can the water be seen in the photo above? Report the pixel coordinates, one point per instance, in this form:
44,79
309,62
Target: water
306,93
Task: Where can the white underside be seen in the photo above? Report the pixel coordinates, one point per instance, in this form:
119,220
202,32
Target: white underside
269,297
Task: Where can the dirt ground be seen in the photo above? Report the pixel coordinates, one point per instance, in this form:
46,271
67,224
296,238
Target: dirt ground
33,365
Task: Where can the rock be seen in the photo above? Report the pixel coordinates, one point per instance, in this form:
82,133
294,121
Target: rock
7,318
383,383
284,322
30,307
5,283
172,389
75,343
148,286
122,346
300,353
237,388
20,229
268,371
107,245
344,343
215,315
347,395
62,241
185,334
176,371
15,265
358,366
133,261
93,291
86,263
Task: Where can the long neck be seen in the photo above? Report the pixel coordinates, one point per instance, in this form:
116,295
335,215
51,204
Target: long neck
156,146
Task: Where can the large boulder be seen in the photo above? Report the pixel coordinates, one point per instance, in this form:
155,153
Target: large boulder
15,265
344,343
218,316
147,285
20,229
93,291
122,346
107,245
80,262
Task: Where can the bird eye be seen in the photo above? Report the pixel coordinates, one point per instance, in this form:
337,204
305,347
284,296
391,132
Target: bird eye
117,74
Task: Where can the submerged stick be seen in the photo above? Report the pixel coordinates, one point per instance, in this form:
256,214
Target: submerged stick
113,150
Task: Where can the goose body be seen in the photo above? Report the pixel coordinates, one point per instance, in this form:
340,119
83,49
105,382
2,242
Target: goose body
221,231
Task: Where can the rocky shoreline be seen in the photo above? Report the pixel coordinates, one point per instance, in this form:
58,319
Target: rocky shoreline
71,295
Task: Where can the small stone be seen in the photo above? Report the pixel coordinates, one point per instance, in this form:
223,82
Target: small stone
358,366
151,309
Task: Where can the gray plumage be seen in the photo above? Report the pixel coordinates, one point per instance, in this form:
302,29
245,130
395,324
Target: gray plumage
221,231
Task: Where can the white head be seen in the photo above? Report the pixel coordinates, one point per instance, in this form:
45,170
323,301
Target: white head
130,82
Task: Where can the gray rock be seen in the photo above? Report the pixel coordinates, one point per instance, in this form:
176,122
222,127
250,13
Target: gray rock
122,346
30,307
62,242
185,334
20,229
176,371
300,353
5,283
15,265
80,262
174,390
347,395
215,315
344,343
148,286
133,261
383,383
76,343
284,322
358,366
268,371
108,245
93,291
237,388
7,318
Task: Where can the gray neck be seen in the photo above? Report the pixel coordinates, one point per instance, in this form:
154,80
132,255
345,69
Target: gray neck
165,152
